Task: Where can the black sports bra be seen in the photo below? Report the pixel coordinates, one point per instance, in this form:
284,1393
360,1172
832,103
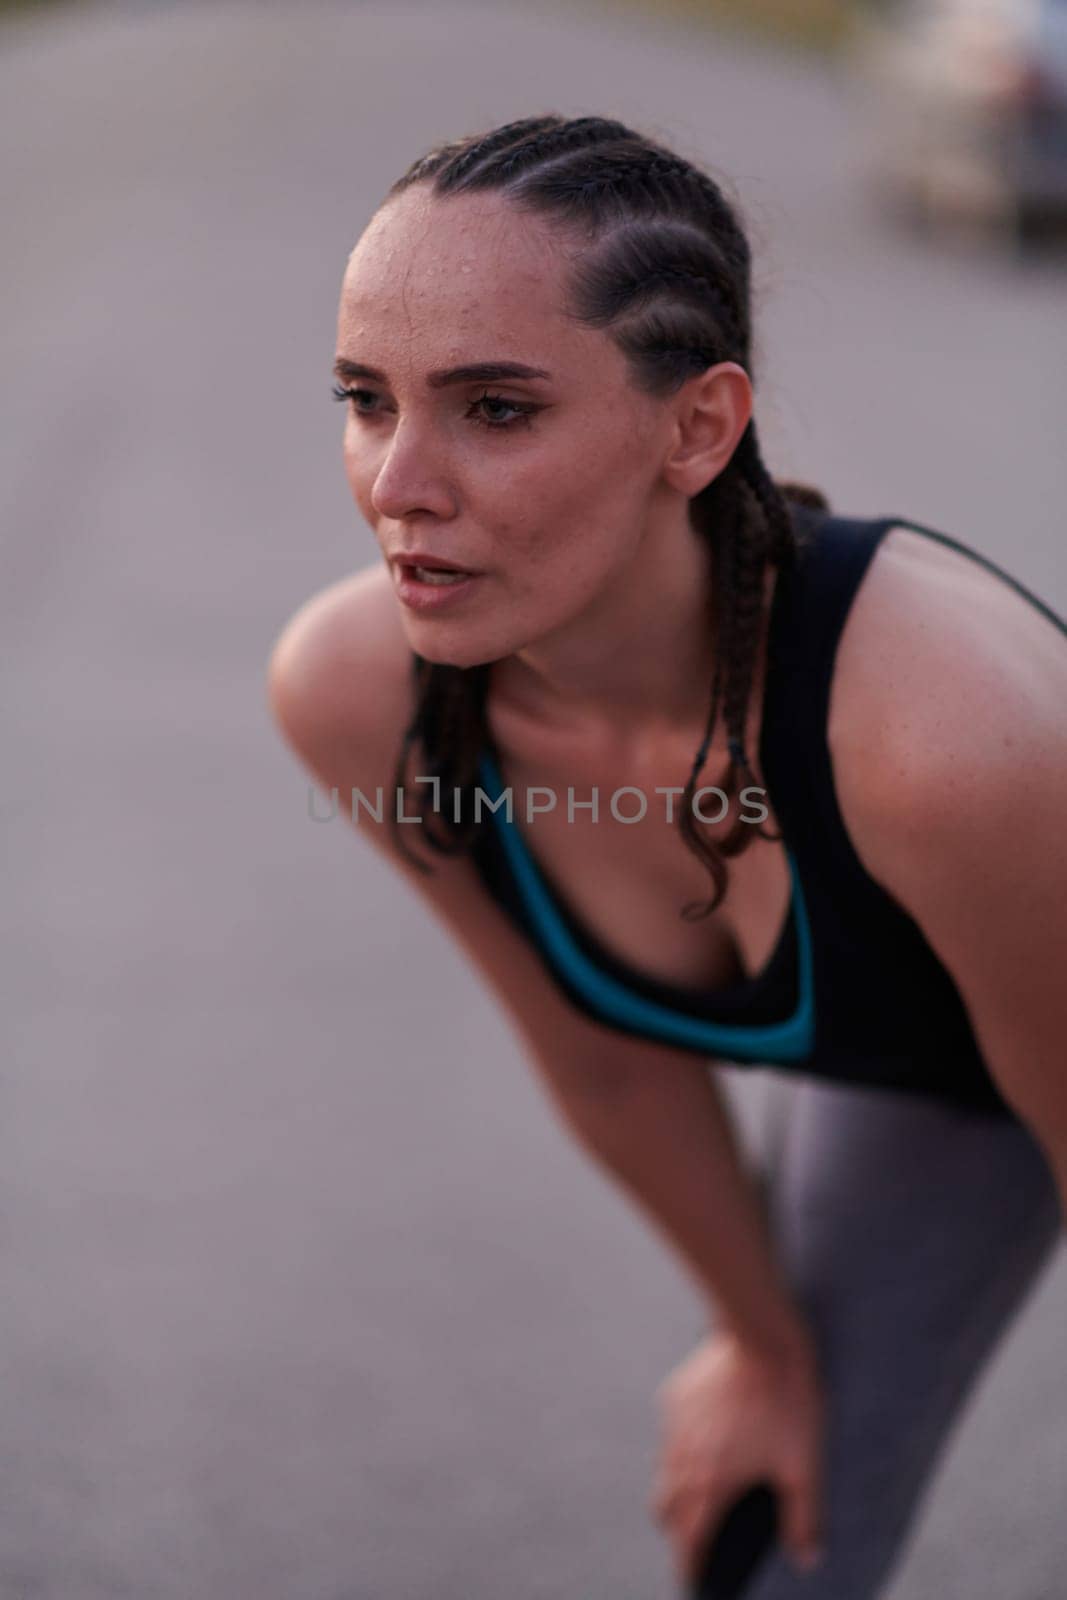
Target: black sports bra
852,990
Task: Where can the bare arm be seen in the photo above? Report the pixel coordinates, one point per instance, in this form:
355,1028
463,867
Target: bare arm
668,1139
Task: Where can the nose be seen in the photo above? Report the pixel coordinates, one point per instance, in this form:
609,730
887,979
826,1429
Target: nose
411,478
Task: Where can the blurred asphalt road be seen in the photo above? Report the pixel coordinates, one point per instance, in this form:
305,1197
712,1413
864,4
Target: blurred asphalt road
306,1295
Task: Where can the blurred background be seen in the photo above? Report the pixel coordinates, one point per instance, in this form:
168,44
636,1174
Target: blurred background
305,1293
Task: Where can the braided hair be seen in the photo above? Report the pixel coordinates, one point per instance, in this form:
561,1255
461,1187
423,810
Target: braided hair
665,271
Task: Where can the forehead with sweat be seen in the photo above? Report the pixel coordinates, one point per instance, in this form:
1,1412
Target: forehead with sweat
467,277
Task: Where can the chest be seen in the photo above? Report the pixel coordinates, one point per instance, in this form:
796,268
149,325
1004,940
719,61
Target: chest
625,870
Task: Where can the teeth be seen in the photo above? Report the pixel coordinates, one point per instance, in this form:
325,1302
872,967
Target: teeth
433,575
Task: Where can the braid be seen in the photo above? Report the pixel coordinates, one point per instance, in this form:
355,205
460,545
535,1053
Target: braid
449,724
498,157
778,523
713,859
664,268
745,608
450,162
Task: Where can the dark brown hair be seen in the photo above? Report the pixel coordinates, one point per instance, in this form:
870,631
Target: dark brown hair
665,271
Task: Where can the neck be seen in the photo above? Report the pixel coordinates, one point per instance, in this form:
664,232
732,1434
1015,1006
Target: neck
636,665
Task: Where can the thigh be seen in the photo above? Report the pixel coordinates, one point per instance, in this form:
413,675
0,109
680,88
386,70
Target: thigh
911,1230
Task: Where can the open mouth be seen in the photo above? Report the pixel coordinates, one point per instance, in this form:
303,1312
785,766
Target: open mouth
433,575
429,588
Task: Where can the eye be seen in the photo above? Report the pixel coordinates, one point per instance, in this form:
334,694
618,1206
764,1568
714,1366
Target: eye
354,395
522,410
488,410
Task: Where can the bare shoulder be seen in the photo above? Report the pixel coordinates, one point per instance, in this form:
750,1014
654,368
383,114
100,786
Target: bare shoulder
340,669
940,661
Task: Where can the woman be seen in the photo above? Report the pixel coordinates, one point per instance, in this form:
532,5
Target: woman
592,587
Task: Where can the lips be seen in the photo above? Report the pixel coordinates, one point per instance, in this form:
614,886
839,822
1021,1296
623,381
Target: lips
421,590
408,563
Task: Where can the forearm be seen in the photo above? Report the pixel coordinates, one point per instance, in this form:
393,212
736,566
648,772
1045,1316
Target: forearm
668,1139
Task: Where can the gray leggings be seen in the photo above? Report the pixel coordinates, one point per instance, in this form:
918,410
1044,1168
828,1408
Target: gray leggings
911,1230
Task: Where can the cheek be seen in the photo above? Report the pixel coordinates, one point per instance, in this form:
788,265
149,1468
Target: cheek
535,529
556,562
577,517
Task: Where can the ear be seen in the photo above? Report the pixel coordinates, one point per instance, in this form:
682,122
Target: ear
711,412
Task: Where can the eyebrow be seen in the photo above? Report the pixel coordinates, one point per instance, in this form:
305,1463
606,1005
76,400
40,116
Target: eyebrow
473,372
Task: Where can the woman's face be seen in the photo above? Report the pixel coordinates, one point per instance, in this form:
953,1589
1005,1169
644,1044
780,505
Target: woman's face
541,485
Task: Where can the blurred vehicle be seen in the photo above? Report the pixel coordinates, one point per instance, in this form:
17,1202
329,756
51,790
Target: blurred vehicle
965,102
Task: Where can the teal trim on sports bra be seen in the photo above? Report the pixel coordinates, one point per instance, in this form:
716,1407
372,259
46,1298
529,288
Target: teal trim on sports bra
789,1040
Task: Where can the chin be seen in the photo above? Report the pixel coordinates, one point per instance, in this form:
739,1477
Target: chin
435,644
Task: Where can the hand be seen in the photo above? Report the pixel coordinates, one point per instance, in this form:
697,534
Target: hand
733,1417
